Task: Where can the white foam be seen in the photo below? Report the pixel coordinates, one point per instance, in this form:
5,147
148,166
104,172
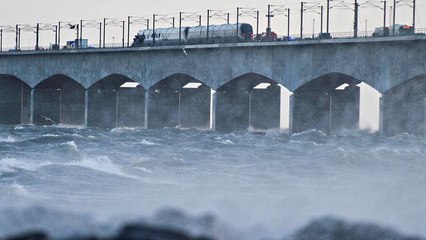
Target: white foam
228,142
8,139
148,143
11,165
101,164
72,145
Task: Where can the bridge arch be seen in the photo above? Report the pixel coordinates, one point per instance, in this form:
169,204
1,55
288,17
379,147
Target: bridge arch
58,99
249,101
15,100
329,103
115,101
404,107
179,100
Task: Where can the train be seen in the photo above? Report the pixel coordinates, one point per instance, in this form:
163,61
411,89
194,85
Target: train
194,35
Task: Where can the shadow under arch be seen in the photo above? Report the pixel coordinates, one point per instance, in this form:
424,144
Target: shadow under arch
404,108
58,99
179,100
116,101
248,101
324,104
15,100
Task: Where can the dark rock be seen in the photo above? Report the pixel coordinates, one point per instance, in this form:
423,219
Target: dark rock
147,232
29,236
336,229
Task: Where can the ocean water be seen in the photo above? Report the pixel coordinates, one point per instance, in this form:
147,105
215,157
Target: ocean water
90,181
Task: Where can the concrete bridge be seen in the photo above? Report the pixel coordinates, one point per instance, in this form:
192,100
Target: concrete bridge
86,86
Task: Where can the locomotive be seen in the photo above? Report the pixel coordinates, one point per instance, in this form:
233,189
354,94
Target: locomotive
194,35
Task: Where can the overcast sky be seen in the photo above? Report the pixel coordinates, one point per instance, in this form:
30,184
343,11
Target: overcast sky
52,11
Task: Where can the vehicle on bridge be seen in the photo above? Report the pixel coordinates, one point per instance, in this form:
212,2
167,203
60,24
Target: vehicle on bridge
194,35
400,30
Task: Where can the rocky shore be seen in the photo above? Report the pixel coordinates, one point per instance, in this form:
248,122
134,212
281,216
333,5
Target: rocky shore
321,229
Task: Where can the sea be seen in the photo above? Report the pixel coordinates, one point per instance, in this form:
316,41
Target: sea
247,185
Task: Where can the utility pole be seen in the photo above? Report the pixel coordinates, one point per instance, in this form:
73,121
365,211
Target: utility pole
394,13
238,19
356,19
328,16
268,29
16,37
322,11
128,31
288,23
56,34
59,35
153,28
100,34
104,33
301,20
208,23
180,27
414,16
257,23
1,40
384,15
124,28
81,31
37,36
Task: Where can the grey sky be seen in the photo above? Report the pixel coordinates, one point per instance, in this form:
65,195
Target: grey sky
52,11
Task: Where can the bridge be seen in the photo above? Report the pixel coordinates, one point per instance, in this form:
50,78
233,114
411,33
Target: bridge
85,86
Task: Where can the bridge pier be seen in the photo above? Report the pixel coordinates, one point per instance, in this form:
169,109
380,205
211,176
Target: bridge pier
328,111
403,109
15,101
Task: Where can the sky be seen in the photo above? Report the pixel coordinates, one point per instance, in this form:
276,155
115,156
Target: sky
53,11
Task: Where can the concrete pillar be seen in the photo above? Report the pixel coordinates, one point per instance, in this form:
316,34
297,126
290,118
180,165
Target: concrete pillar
232,110
213,111
404,111
381,107
86,107
147,97
163,108
32,107
194,110
291,116
265,107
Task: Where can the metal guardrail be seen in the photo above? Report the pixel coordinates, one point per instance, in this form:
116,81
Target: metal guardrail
293,37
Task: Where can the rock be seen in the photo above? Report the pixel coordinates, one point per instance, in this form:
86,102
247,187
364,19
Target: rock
147,232
336,229
29,236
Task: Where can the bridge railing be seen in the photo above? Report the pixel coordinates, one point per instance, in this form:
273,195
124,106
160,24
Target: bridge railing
293,37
